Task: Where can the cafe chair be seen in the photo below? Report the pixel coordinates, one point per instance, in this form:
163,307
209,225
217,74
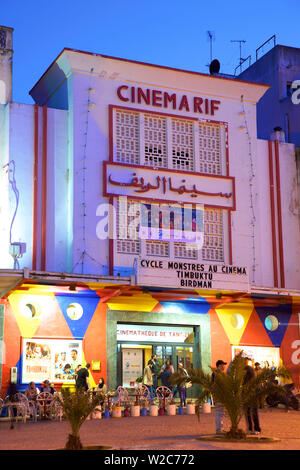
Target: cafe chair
44,403
164,395
122,395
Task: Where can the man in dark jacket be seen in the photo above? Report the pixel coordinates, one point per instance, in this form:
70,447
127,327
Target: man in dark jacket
252,412
82,380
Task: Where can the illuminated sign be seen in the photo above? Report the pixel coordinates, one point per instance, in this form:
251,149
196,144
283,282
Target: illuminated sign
165,273
168,185
164,99
151,333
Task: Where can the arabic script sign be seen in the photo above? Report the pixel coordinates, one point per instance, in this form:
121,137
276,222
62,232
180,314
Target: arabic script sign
189,275
168,185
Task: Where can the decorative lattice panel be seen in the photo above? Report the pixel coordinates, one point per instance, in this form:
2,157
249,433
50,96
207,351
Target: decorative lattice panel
127,227
157,248
155,137
182,145
213,246
185,250
210,148
127,137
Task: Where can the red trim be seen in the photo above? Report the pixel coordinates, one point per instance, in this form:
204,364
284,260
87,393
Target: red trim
44,191
273,229
111,240
35,186
279,215
214,77
110,133
227,148
229,237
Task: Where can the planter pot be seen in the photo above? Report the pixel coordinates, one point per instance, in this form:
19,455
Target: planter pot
96,414
134,410
106,414
180,410
144,412
126,413
117,412
171,410
161,411
190,409
153,410
206,407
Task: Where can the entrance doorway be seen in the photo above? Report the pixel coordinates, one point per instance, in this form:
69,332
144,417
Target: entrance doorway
175,353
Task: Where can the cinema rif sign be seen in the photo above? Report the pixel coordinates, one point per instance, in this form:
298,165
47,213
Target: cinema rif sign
189,275
142,182
167,100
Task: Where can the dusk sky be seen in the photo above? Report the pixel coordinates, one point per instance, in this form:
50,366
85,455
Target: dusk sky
164,32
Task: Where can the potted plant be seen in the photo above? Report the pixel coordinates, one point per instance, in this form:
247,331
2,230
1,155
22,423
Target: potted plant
126,411
153,409
77,406
135,409
190,407
171,408
116,411
232,392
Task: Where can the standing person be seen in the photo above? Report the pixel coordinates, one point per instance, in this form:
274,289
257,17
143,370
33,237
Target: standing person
165,376
148,378
167,364
257,370
154,363
251,412
82,380
181,388
219,408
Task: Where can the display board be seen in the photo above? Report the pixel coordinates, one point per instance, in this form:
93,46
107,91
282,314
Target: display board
52,359
267,357
132,360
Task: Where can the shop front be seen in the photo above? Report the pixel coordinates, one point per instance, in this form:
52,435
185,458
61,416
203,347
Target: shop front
137,343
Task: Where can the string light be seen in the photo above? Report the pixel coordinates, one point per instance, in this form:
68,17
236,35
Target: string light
251,180
84,253
11,170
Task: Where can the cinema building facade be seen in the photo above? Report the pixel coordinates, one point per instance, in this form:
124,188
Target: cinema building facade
142,215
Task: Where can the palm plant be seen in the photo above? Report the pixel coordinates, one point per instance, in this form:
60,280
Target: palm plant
231,390
77,406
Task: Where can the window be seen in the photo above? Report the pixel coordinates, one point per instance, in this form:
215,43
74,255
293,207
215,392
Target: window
162,141
131,236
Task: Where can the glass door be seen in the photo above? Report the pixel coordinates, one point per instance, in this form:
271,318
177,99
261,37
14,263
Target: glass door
184,354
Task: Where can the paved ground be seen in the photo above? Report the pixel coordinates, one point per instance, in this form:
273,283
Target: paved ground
151,433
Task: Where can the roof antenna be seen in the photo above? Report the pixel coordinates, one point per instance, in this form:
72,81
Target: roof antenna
240,41
211,38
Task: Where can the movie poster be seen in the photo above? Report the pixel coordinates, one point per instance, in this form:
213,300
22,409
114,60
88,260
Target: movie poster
267,357
54,359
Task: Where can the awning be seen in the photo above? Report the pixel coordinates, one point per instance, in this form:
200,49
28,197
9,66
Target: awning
11,278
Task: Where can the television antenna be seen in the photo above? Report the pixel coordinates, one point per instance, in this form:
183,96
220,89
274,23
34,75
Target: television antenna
211,38
240,41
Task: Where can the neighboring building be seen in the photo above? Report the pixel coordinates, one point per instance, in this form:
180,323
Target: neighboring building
110,172
280,106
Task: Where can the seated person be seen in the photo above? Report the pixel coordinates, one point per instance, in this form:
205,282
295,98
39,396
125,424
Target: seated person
102,386
47,387
32,391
